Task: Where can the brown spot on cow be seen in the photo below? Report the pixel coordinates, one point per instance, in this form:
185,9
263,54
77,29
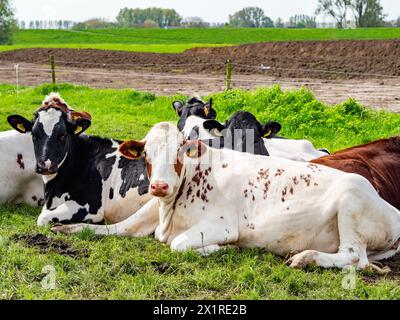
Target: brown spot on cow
198,194
295,180
20,161
224,165
279,172
291,190
34,198
221,217
209,188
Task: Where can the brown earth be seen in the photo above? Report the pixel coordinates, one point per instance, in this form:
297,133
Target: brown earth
311,59
368,71
48,244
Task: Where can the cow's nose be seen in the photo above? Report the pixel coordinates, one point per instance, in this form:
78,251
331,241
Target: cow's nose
45,168
159,189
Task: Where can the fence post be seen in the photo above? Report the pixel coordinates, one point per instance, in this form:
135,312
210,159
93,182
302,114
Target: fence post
228,74
17,77
53,69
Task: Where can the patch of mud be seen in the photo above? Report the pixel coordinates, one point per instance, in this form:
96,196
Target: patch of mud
345,59
48,244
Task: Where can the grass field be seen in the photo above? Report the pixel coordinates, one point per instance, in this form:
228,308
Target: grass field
178,40
123,268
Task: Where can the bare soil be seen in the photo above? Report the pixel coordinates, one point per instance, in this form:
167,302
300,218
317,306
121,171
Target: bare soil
48,244
368,71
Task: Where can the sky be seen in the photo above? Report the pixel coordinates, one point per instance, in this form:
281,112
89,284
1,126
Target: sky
209,10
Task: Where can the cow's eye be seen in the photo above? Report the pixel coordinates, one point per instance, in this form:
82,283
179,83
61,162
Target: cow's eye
62,137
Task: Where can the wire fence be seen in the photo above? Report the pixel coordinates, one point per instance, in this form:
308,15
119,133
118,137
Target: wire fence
79,74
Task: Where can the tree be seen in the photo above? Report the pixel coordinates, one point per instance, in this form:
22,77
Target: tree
136,17
194,22
7,22
302,21
368,13
279,23
397,23
337,9
250,17
150,24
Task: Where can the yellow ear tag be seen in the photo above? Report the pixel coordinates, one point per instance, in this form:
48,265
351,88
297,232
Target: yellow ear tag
217,133
21,127
78,129
191,152
267,134
133,152
206,111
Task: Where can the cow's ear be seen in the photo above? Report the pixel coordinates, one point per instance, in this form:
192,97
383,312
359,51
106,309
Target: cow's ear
270,129
19,123
194,149
178,105
208,110
214,127
80,122
132,149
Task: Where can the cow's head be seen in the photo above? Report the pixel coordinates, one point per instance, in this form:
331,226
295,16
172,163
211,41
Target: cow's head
242,132
53,127
193,107
164,150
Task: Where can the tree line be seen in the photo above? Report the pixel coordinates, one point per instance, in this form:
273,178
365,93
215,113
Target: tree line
345,13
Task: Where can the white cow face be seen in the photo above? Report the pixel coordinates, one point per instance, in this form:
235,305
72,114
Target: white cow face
163,149
52,130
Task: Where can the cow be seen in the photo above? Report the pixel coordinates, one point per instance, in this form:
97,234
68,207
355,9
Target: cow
85,178
192,115
197,121
20,183
209,198
377,161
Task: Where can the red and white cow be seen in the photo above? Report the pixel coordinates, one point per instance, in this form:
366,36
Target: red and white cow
209,198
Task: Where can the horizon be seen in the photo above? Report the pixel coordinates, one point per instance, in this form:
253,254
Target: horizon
26,10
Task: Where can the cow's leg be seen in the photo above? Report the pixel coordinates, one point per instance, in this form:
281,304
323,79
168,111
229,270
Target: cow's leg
64,212
142,223
352,238
205,237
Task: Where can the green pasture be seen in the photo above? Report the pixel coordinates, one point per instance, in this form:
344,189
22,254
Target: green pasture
178,40
142,268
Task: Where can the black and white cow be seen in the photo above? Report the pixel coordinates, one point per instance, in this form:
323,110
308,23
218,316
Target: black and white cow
192,114
242,132
85,177
19,181
292,149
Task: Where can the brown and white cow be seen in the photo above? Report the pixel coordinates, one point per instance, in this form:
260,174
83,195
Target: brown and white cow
378,161
209,198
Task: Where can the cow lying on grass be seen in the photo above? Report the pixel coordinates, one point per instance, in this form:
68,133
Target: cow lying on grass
85,178
378,161
197,121
20,183
209,198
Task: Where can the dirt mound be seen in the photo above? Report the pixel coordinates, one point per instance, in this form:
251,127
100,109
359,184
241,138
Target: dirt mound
296,59
48,244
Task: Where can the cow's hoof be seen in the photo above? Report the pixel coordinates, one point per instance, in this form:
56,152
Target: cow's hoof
60,229
302,259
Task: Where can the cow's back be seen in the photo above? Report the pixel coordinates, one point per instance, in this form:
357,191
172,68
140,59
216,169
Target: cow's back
379,162
19,181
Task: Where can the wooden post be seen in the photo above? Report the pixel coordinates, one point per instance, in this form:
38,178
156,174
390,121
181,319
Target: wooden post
228,74
53,69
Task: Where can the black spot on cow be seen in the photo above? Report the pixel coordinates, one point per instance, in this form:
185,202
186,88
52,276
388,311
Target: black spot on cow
111,195
133,175
20,161
55,220
34,198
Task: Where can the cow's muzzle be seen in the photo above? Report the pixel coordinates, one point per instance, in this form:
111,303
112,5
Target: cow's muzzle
42,169
159,189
